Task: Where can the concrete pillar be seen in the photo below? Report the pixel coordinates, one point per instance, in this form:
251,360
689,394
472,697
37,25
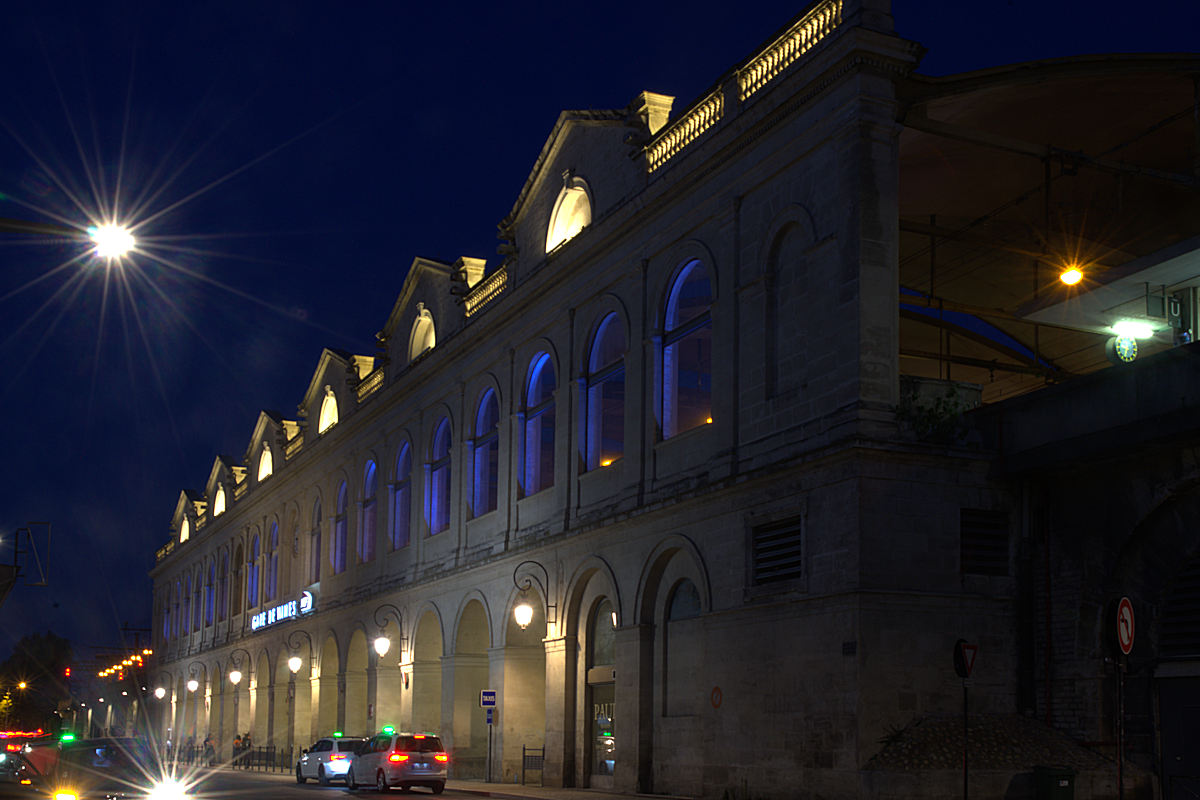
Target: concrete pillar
634,708
464,729
519,675
561,659
389,689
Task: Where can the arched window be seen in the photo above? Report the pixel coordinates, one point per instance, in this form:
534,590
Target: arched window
185,615
235,601
337,553
271,583
366,528
175,629
423,336
223,587
605,439
687,352
402,499
219,501
439,478
486,455
572,213
682,649
329,411
314,544
196,586
252,573
166,617
210,594
265,463
538,472
185,530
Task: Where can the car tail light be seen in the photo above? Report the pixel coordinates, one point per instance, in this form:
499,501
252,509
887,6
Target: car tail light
337,756
442,757
398,757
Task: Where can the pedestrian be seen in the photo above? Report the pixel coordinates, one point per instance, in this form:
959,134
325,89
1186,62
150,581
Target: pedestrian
237,748
210,753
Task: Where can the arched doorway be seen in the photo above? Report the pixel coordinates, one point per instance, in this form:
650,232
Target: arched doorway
468,733
427,674
327,688
356,722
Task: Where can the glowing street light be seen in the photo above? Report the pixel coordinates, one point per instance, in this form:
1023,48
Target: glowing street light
294,663
235,677
112,241
160,693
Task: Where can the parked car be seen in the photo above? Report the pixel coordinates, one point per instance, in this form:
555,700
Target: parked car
401,759
328,759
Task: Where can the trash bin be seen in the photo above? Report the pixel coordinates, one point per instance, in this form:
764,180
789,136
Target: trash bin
1054,783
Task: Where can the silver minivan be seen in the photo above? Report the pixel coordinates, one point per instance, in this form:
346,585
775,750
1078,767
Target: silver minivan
328,759
401,759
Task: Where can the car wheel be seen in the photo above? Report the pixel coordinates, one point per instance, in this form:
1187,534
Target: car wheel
381,784
438,788
300,775
322,778
351,784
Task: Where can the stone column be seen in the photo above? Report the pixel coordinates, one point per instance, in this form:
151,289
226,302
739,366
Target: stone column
634,645
388,686
561,659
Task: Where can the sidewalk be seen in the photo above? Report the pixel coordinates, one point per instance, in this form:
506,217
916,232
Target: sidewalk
510,791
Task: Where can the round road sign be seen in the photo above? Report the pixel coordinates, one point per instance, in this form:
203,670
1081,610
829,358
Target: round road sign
1125,625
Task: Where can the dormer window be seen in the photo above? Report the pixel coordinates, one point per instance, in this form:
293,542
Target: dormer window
329,411
185,530
572,212
423,336
265,463
219,501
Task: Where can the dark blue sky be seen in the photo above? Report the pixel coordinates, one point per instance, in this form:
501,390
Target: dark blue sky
298,155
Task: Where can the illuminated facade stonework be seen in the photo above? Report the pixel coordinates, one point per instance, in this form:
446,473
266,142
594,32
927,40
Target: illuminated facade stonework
712,437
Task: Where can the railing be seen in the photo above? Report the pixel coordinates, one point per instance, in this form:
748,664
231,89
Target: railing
534,760
293,445
264,759
784,51
770,62
486,291
371,385
685,130
164,551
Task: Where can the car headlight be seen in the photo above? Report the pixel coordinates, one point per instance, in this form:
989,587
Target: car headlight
66,796
168,789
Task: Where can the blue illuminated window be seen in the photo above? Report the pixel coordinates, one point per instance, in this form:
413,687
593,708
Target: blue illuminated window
439,479
687,352
605,413
366,530
538,471
486,455
402,499
337,553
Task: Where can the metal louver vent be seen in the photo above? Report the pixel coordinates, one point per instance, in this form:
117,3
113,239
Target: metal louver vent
1179,635
778,551
984,542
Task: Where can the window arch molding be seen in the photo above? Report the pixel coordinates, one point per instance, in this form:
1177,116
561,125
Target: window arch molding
400,492
438,458
572,211
664,271
538,416
792,229
368,508
483,439
686,315
343,492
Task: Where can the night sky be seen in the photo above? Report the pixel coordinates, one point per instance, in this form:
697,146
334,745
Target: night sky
289,160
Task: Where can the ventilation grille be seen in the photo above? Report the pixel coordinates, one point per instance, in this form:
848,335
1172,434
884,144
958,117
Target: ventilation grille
778,551
984,541
1180,632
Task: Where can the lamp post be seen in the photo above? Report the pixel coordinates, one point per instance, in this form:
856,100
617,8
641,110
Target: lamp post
523,611
382,642
294,663
235,678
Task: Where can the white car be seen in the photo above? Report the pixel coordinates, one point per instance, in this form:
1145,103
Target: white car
328,759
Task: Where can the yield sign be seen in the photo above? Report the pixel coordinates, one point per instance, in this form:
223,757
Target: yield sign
964,657
1125,625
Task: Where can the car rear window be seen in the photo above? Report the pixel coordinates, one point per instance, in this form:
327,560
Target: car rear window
420,744
349,744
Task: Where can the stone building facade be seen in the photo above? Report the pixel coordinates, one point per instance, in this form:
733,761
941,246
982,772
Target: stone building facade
701,417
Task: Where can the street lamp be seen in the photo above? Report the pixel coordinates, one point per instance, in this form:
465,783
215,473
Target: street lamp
382,642
523,611
160,693
293,642
110,240
193,685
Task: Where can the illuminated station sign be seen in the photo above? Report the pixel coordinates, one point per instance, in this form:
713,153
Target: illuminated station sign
284,611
